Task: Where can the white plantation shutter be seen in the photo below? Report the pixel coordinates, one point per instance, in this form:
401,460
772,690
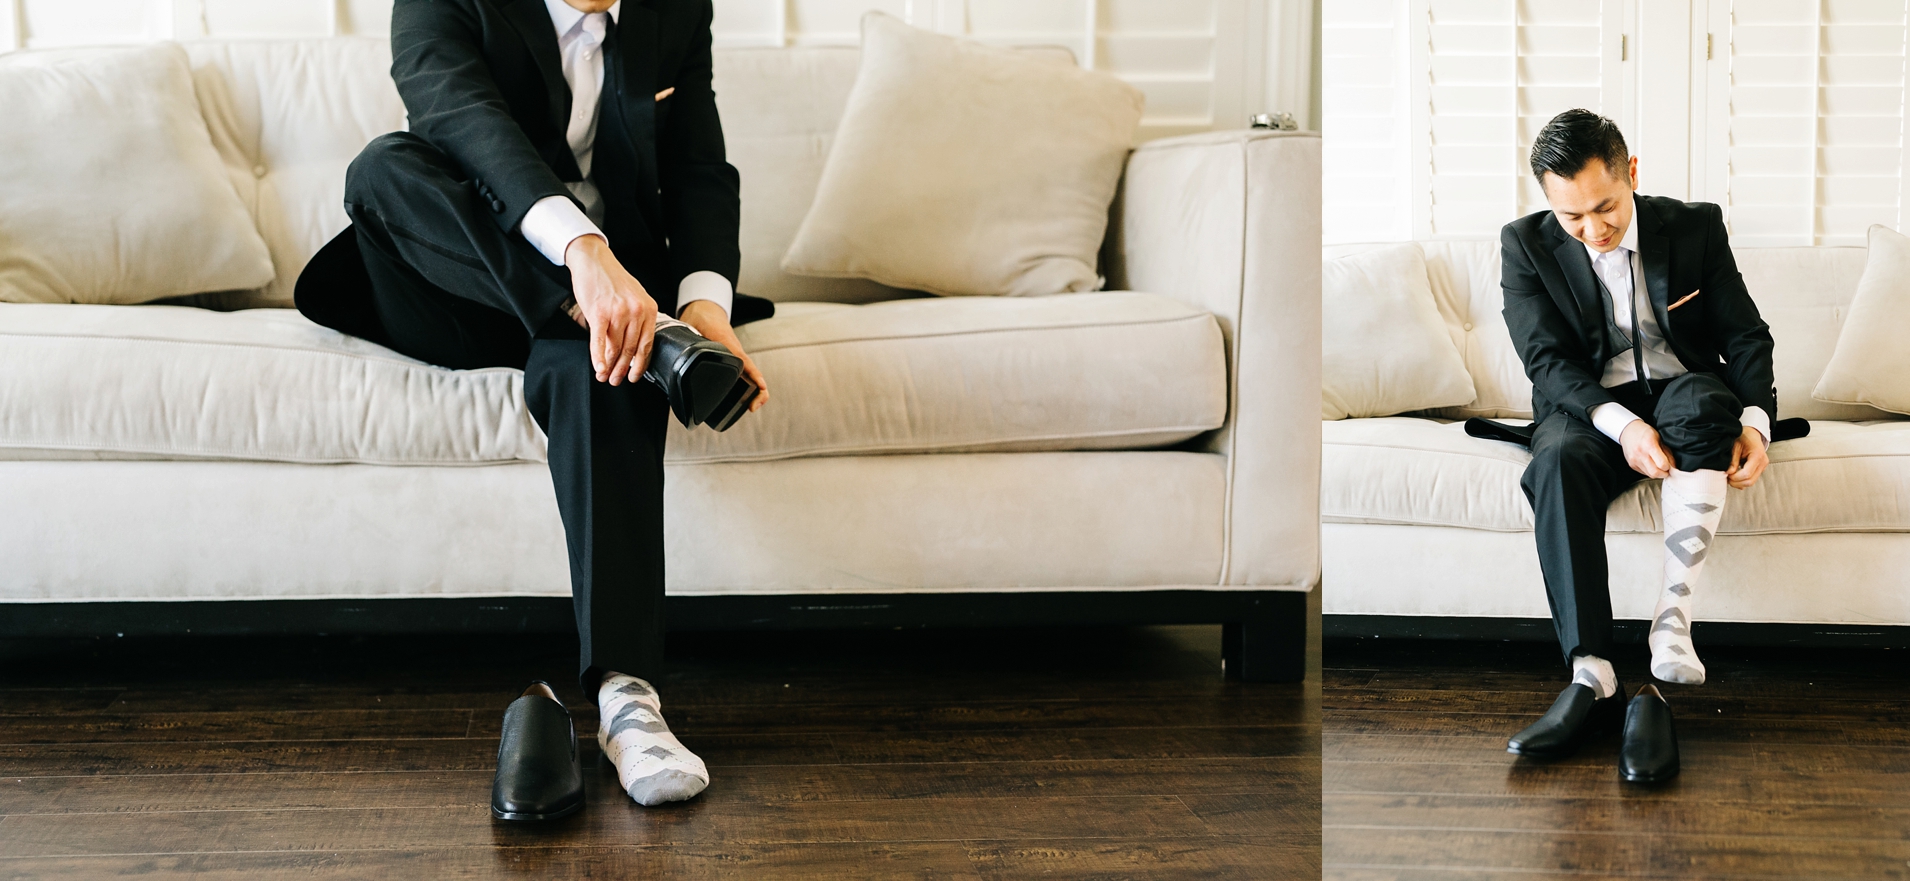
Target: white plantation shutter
1477,79
1203,64
1497,71
1366,165
1189,56
1815,120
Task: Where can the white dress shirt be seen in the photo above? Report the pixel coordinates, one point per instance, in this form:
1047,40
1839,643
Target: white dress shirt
1618,268
554,221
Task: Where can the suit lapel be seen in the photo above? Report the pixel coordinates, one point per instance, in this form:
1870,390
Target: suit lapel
532,21
1654,250
1586,302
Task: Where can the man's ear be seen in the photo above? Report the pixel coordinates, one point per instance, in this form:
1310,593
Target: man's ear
1633,165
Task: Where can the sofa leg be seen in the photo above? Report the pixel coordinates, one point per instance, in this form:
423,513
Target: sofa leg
1266,649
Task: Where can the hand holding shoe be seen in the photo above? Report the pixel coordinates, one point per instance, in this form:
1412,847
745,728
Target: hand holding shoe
612,304
709,320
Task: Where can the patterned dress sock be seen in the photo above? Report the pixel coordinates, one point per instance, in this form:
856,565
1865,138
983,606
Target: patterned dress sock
653,766
1693,505
1595,673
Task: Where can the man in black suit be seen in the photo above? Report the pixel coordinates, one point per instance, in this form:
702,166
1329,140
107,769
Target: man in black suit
562,191
1647,359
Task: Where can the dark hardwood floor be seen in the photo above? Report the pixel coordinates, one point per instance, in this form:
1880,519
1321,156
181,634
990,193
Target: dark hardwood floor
1796,765
1087,753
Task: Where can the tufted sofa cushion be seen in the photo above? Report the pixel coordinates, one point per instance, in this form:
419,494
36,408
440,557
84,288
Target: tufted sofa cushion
1090,371
1844,477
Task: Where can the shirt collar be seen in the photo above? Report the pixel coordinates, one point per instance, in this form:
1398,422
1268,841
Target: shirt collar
564,16
1628,242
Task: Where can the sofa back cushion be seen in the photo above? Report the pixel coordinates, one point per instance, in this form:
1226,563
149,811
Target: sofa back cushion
110,188
289,115
1804,294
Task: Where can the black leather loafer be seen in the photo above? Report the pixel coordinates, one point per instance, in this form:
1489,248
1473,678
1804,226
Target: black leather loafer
1577,714
1650,751
538,776
698,375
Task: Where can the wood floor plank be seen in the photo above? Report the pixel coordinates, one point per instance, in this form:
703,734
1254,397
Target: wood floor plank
1262,858
1260,779
932,861
908,820
232,727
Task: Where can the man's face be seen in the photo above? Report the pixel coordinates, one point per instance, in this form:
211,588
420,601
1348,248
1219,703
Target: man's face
1594,206
590,6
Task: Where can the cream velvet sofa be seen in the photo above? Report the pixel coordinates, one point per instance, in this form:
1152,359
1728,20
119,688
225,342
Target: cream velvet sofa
1425,531
1087,458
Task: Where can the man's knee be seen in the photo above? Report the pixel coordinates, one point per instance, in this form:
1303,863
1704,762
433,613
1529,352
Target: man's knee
1699,419
392,163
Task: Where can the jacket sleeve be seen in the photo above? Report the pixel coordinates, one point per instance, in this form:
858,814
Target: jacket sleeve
1732,319
453,102
701,191
1548,345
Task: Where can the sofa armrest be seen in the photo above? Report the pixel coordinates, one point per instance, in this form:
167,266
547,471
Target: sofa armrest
1230,222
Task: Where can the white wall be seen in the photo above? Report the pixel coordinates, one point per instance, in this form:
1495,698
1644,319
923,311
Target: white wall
1204,64
1789,113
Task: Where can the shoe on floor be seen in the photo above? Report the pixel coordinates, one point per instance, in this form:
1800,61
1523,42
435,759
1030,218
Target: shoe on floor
538,776
1649,753
1578,713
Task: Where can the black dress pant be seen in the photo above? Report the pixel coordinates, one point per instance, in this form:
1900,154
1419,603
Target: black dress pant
453,289
1576,472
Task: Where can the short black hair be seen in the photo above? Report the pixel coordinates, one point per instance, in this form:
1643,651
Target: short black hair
1572,140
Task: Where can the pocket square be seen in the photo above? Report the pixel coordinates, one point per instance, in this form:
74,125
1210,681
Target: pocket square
665,94
1682,300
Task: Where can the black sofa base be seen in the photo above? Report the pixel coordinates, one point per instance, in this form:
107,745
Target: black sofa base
1264,639
1625,631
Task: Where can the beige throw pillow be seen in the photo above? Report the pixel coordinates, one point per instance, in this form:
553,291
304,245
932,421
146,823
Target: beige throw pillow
110,189
964,169
1384,348
1871,365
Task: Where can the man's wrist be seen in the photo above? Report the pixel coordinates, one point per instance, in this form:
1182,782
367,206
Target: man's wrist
585,248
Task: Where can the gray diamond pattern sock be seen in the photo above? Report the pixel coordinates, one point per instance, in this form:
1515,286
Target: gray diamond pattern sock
1595,673
653,766
1692,506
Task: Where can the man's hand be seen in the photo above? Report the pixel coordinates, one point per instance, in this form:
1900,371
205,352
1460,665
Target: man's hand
621,315
1748,459
709,320
1643,450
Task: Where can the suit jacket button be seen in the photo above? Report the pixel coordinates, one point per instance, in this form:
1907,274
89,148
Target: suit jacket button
497,207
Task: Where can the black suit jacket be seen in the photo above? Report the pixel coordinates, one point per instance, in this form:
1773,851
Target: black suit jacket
1557,317
483,82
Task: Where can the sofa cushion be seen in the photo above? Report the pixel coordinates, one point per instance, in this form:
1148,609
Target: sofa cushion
110,190
1110,370
1089,371
180,382
1844,477
966,169
1384,347
1870,364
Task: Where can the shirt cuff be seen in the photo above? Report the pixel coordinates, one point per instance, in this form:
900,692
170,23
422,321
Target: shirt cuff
1610,418
1755,417
705,285
552,224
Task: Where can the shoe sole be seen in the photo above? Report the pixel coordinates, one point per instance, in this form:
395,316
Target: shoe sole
707,380
1647,780
521,817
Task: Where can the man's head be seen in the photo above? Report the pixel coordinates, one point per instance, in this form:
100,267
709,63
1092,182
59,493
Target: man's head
1588,176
